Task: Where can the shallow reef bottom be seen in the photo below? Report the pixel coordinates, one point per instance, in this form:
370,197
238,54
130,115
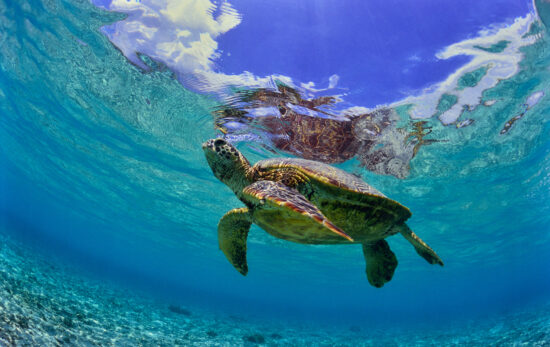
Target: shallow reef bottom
46,303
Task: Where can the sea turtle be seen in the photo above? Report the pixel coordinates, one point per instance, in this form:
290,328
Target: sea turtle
308,202
298,126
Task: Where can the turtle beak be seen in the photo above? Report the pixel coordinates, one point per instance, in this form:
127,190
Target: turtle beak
208,144
209,152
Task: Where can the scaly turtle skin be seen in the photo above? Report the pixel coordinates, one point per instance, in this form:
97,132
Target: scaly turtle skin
305,130
309,202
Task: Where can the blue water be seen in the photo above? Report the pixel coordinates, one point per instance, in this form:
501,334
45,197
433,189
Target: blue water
314,40
101,168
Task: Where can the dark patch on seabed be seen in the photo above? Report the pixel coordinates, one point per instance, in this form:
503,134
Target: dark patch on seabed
44,303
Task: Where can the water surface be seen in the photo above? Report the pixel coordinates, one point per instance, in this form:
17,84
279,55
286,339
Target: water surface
101,164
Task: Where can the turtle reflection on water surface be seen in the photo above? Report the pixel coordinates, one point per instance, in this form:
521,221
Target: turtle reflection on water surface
308,202
299,126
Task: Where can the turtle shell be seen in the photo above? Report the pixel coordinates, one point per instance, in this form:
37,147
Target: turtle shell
360,210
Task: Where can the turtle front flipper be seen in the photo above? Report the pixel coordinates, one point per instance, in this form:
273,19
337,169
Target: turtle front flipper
232,233
381,262
420,246
287,214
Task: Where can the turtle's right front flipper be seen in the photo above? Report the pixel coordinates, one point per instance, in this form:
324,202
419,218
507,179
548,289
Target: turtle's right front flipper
232,233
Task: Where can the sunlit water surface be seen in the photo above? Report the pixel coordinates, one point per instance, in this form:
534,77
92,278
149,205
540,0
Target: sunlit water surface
101,165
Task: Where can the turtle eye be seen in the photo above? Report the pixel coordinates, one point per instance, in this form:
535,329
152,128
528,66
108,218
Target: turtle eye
219,142
282,110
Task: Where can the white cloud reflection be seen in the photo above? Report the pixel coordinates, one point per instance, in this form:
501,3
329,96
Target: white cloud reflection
182,34
500,64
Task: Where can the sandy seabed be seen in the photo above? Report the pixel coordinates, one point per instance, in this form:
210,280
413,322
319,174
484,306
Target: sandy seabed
44,302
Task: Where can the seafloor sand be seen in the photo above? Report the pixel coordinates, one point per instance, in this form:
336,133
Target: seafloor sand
44,303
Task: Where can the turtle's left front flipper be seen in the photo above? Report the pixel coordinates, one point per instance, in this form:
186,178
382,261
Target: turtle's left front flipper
232,233
278,207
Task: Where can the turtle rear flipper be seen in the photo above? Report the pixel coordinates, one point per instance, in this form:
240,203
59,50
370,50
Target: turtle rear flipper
285,213
420,246
381,262
232,233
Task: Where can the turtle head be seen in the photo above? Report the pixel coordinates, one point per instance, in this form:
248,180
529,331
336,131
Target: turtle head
227,163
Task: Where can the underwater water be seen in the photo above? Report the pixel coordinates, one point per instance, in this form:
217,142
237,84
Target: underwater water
109,209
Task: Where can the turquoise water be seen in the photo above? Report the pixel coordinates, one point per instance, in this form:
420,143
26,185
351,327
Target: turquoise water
47,302
101,166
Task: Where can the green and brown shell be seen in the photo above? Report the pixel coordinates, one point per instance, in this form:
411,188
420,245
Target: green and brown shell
346,200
